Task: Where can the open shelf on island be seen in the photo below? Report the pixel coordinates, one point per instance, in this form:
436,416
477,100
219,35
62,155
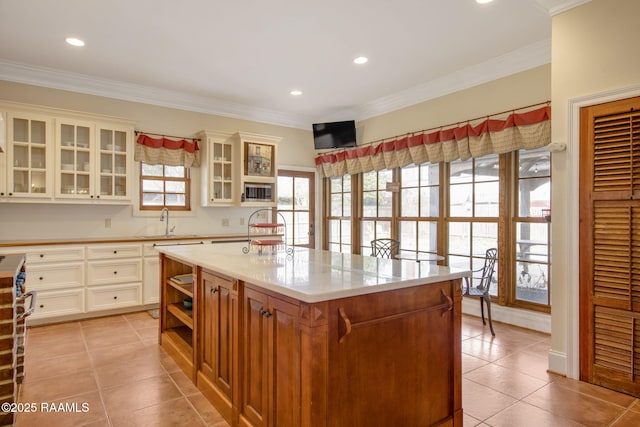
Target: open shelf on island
185,289
183,314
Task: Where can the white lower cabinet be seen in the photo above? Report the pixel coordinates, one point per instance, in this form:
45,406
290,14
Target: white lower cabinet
58,303
113,272
81,280
114,296
151,283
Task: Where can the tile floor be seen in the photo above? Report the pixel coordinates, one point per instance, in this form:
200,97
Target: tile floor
114,366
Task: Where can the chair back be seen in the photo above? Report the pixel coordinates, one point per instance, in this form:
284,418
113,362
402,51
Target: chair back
488,269
384,248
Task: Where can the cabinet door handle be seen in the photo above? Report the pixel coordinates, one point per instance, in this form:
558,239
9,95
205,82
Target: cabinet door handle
344,325
265,313
214,290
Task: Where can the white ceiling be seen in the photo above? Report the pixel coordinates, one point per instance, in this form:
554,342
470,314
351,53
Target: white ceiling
241,58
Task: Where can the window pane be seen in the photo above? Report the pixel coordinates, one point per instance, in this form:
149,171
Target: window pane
485,236
285,192
174,171
486,168
428,232
336,185
301,186
383,229
150,186
459,238
409,201
370,204
429,202
460,200
384,176
175,199
409,176
151,170
534,163
368,234
461,172
369,181
384,204
430,174
346,205
151,199
301,226
336,205
486,197
175,187
408,235
535,195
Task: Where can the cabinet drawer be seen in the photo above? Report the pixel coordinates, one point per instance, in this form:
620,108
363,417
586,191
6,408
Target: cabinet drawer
114,251
58,303
107,297
43,277
67,253
110,272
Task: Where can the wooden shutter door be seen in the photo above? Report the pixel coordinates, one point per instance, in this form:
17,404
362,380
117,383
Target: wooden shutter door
610,245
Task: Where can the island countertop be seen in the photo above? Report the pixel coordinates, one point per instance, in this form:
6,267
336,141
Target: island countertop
313,275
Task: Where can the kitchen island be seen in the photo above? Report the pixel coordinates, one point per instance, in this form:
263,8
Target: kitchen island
314,338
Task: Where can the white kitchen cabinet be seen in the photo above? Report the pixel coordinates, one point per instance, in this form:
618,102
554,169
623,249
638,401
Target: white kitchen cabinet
28,163
57,274
57,304
114,296
219,158
93,161
257,171
150,275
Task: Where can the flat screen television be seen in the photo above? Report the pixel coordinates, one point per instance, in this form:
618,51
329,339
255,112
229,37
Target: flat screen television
334,134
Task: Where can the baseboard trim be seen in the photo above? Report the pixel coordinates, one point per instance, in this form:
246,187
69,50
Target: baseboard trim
528,319
557,362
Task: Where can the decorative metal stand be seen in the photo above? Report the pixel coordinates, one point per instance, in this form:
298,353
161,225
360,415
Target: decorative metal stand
267,238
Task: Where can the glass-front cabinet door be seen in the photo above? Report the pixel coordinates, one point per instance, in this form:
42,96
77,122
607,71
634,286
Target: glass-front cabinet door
113,167
29,147
75,158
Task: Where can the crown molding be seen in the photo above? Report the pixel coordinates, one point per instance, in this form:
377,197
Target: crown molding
528,57
81,83
513,62
555,7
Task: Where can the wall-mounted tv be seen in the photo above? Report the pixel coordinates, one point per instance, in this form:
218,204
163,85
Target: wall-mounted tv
334,134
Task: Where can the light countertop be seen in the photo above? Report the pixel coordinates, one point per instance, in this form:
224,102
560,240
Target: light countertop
312,275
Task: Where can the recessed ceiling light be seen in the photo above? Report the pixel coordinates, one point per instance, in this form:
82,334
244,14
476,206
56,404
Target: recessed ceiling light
296,92
361,60
74,41
483,1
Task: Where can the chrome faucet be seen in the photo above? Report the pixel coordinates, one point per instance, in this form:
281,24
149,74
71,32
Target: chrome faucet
162,214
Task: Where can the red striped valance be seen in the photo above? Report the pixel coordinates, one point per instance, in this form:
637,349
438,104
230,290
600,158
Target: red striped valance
167,151
528,130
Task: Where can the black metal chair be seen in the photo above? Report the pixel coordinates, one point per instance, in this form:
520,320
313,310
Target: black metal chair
481,291
384,248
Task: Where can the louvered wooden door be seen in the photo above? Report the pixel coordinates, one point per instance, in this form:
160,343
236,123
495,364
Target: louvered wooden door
610,245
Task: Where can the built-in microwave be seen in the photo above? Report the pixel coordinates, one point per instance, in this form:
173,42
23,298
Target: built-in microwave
257,192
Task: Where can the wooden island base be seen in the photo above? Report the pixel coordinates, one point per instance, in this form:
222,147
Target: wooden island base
388,358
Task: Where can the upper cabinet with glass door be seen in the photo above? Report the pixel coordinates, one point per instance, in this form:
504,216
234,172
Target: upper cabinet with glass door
93,161
218,163
29,153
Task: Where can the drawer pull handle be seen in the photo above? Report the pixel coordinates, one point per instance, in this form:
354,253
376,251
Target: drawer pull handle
41,278
116,297
41,305
115,252
41,255
115,272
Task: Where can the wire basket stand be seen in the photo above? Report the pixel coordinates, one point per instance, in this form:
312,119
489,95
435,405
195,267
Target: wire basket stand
267,238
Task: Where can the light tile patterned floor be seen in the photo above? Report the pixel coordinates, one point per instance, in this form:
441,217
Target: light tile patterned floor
115,366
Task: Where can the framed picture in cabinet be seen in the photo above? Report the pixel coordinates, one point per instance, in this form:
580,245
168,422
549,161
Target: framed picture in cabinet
259,159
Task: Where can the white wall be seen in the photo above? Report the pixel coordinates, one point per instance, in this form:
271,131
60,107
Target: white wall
27,221
595,58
